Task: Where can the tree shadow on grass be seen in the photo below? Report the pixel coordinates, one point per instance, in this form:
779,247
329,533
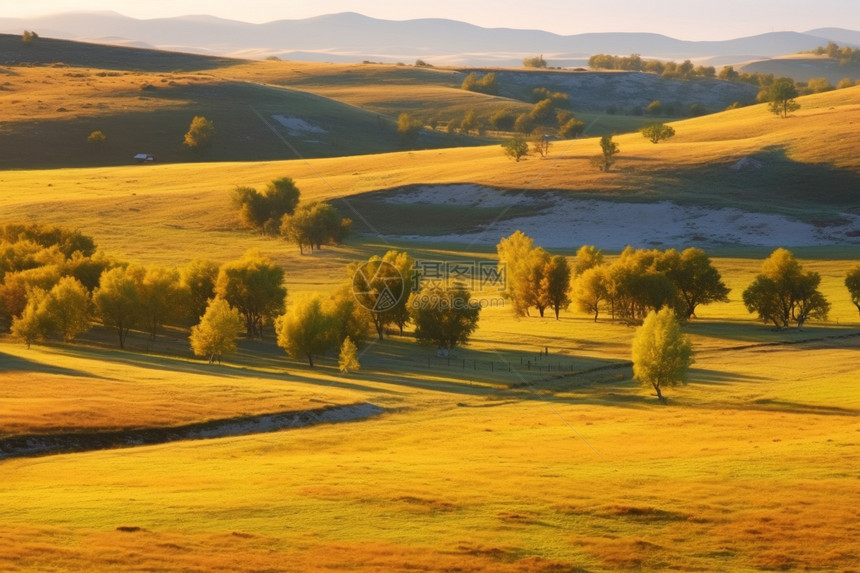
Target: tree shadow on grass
10,363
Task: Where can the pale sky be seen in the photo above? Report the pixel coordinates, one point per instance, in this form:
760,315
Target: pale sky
682,19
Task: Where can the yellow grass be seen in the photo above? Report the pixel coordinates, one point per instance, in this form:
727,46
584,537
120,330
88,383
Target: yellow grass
741,473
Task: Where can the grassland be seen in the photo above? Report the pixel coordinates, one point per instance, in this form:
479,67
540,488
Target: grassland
495,460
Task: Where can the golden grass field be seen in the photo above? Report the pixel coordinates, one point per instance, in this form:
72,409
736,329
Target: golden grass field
753,465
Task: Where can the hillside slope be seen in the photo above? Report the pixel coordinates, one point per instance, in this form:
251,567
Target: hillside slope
805,167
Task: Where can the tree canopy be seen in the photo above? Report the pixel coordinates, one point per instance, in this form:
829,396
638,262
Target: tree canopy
200,133
216,333
657,132
444,317
781,97
254,286
852,283
306,329
782,293
662,354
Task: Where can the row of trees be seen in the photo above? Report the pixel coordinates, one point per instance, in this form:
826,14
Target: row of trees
637,282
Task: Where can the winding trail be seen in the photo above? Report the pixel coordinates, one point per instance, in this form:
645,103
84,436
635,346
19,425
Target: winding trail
45,444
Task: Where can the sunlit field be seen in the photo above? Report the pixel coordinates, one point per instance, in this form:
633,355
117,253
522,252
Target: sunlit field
530,449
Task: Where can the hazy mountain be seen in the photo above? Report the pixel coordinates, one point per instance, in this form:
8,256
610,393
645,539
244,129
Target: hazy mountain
353,37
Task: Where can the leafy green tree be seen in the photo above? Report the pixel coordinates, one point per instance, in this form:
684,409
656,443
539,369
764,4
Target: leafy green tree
590,290
845,83
534,62
254,286
96,138
408,128
783,293
348,358
513,264
503,119
819,85
197,282
571,129
444,317
609,150
217,331
315,224
160,297
200,133
662,354
516,148
657,132
486,84
695,278
66,308
587,256
349,318
265,211
543,112
852,283
117,299
781,97
31,325
381,286
305,330
524,123
555,284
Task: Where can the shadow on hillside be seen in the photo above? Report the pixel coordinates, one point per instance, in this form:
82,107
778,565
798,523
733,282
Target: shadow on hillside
47,51
770,181
715,377
10,363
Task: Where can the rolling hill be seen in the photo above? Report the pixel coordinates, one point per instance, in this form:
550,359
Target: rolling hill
351,37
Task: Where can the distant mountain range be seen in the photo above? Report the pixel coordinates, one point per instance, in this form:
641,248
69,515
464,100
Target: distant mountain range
351,37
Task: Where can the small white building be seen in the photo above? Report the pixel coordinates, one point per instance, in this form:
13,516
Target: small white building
143,157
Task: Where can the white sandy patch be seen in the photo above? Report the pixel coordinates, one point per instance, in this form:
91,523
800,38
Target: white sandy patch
297,126
572,222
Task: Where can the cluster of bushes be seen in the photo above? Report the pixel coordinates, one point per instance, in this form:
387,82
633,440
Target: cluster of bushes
845,55
484,84
276,211
686,70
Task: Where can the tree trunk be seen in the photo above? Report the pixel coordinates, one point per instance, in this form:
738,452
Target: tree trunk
311,359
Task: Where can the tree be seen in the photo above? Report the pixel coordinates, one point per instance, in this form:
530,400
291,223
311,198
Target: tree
661,352
516,148
590,290
819,85
96,138
315,224
347,360
265,211
28,37
254,286
588,256
657,132
117,299
408,128
534,62
444,317
381,285
30,325
513,265
555,284
781,97
609,149
305,330
783,293
159,297
852,283
66,308
542,144
571,129
216,333
197,281
695,279
348,316
200,133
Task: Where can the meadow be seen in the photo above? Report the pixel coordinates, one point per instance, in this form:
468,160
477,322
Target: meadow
496,460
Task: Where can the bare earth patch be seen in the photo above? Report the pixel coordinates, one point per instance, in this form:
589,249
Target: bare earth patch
571,222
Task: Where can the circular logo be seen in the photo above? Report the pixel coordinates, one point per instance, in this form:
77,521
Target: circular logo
378,285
